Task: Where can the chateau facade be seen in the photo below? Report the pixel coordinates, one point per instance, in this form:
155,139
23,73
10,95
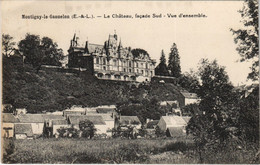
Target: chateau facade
111,61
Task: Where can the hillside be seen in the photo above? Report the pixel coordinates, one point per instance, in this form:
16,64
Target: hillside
50,91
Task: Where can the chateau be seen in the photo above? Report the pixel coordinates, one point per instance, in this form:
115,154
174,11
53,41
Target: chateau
111,61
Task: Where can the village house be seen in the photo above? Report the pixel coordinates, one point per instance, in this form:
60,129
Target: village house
98,122
127,121
23,131
74,110
37,121
188,98
58,124
175,132
8,121
108,119
173,125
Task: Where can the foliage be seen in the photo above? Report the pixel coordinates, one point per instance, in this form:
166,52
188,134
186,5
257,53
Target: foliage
247,38
68,132
149,108
23,88
189,81
8,109
215,122
174,62
248,120
88,129
7,44
190,109
137,52
162,69
159,132
39,51
7,150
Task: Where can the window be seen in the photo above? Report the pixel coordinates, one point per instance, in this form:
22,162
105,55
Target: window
97,60
130,70
130,63
142,71
104,68
151,73
114,62
137,71
104,61
146,65
142,65
124,70
137,64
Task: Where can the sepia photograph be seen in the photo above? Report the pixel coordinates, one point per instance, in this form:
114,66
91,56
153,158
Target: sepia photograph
129,82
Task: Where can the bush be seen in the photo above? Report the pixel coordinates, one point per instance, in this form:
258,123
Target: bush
8,149
68,132
159,132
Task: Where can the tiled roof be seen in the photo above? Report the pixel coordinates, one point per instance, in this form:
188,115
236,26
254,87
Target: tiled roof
96,120
175,131
129,119
174,121
38,118
9,118
23,129
59,122
106,117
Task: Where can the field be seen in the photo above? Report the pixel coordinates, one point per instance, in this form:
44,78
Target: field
147,151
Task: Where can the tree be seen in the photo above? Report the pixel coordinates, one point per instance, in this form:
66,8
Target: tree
39,51
248,120
161,69
52,54
247,38
7,44
212,124
189,81
174,62
137,52
88,129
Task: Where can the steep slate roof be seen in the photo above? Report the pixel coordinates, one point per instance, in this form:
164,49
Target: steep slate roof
174,121
38,118
59,122
9,118
175,131
189,95
93,47
23,129
129,119
96,120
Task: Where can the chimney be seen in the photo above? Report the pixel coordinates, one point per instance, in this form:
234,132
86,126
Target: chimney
86,47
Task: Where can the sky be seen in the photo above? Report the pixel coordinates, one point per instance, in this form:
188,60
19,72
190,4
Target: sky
196,38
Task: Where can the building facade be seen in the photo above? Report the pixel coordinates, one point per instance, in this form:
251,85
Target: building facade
111,61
